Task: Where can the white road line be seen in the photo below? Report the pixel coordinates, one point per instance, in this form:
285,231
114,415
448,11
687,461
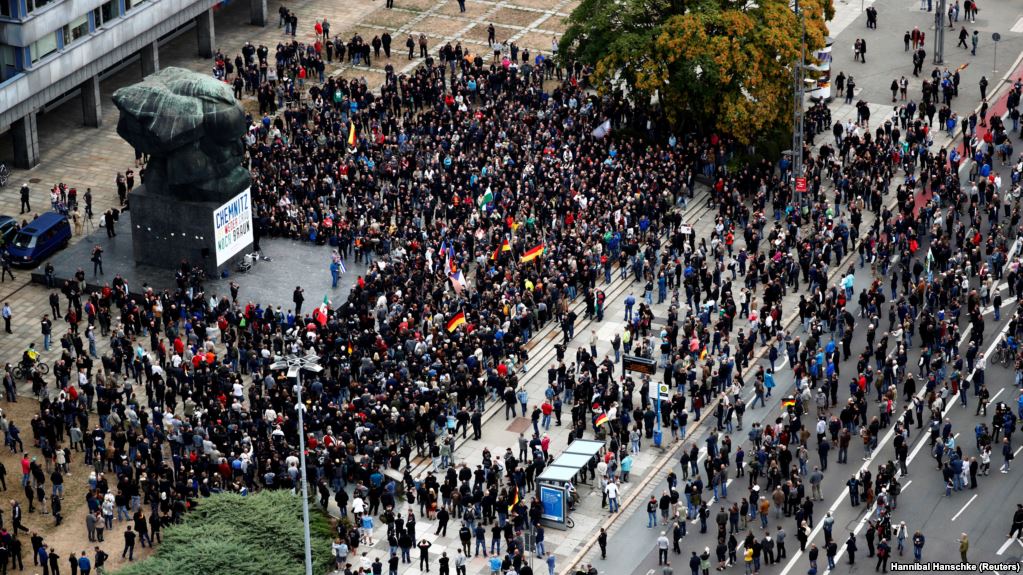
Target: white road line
1001,550
993,397
1018,26
888,436
1017,451
956,516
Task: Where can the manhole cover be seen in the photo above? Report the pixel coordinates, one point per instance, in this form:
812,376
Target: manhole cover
34,181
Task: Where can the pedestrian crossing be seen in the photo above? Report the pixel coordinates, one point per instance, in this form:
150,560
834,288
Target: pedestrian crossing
1018,26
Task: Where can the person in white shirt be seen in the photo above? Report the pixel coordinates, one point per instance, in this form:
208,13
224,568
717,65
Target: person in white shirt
612,496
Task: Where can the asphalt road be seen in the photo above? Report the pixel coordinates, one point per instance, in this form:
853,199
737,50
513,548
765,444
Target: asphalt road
985,513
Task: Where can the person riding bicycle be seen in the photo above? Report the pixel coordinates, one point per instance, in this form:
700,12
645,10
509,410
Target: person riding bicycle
29,358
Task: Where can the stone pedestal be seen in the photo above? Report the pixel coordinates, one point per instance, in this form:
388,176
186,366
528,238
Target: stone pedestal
166,231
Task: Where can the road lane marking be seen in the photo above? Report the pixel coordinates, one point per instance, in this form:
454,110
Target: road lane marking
956,516
891,432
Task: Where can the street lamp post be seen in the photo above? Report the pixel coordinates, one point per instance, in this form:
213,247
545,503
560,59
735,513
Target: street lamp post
797,112
294,366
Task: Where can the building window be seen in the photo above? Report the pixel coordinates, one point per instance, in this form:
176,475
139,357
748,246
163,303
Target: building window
43,47
129,4
37,4
8,63
107,12
78,28
5,9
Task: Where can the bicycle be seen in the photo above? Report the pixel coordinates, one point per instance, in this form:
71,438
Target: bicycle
5,174
21,373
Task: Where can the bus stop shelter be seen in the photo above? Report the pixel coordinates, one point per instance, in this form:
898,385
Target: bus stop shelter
553,483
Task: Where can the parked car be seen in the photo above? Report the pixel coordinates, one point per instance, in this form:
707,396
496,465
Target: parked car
39,239
8,228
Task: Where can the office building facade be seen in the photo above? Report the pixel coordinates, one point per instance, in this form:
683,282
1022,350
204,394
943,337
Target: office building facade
51,48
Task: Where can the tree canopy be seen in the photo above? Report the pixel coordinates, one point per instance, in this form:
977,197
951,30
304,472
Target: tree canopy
253,535
714,64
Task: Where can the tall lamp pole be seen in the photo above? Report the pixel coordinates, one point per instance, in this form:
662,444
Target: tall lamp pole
294,366
797,114
939,33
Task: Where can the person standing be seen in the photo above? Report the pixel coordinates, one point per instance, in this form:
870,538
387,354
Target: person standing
97,260
974,40
850,547
7,313
46,329
424,555
100,561
1017,522
129,544
918,545
662,549
84,565
25,206
964,546
298,297
602,542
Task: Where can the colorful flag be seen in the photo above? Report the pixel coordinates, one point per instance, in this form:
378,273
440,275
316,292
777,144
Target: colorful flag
456,321
602,130
320,315
341,264
788,401
351,134
599,419
504,247
457,281
532,254
485,199
515,500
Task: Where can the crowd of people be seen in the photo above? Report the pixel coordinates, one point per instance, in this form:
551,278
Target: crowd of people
486,199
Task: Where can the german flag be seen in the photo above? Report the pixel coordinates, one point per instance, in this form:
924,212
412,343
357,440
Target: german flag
515,500
504,247
789,401
532,254
456,321
599,420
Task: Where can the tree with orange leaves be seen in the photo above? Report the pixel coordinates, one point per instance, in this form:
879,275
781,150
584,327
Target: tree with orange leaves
713,64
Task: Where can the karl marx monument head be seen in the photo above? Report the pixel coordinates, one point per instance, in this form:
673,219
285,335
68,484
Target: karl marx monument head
191,126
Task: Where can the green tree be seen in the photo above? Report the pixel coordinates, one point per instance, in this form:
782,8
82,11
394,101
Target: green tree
714,64
253,535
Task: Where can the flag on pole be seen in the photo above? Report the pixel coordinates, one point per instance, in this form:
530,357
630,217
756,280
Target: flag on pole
341,265
599,419
532,254
602,130
457,281
504,247
485,199
456,321
351,134
320,315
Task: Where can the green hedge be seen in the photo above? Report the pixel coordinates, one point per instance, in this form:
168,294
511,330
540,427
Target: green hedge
231,534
